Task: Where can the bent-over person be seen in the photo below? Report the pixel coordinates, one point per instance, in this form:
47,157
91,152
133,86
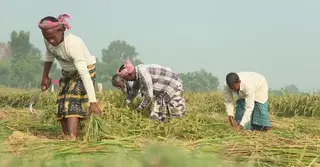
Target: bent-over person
126,87
159,84
252,111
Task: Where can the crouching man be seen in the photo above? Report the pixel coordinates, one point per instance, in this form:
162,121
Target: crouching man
252,106
159,84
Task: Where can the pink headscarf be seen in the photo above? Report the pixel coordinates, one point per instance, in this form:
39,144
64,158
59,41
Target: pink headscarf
62,23
128,69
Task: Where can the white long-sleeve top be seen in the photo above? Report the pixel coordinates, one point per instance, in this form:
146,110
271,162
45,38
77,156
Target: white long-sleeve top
253,87
73,55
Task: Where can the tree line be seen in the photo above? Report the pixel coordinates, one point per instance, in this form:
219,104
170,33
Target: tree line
21,65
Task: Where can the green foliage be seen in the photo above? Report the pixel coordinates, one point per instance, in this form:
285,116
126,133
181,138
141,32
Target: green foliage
4,71
55,72
25,66
118,51
104,73
291,89
279,92
112,58
288,89
199,81
20,44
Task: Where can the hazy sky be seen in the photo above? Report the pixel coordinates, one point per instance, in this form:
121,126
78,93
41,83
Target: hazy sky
277,38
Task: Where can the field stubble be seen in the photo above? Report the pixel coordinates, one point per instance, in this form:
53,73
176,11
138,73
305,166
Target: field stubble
204,132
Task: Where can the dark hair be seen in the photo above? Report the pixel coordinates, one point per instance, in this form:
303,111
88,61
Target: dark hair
115,79
49,18
121,68
232,78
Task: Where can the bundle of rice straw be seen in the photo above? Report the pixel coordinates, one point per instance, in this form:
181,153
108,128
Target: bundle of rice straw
95,128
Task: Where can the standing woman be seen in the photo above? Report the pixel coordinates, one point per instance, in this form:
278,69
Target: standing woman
78,73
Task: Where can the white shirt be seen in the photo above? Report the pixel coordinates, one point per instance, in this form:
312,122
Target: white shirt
73,55
253,87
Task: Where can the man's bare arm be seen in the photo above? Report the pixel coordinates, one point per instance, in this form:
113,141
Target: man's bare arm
46,69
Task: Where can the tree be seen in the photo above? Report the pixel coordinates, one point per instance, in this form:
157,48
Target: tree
199,81
277,92
288,89
103,74
4,71
20,44
26,60
118,51
291,89
112,58
55,72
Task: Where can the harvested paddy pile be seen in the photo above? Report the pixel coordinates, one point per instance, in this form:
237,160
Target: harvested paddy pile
205,131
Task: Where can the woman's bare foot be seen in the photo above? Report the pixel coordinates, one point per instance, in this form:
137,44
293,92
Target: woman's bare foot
70,138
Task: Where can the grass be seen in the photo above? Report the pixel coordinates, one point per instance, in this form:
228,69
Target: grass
123,137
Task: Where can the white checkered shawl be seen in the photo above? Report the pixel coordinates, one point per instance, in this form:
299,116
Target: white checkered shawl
156,81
